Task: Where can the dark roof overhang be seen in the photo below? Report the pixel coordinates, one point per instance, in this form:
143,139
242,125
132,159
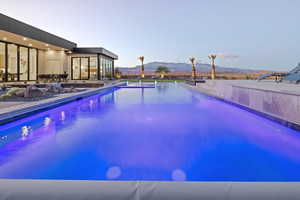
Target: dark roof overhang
17,27
95,50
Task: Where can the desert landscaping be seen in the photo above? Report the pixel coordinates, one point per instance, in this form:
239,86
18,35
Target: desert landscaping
33,92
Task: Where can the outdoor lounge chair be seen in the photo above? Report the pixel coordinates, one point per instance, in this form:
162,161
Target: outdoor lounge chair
291,78
194,81
293,75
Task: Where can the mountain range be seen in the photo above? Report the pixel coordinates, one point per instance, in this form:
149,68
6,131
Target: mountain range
185,67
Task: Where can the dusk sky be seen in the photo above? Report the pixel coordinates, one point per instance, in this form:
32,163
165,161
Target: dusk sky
256,34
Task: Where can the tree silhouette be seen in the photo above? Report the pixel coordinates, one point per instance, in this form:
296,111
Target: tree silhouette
162,70
212,57
193,61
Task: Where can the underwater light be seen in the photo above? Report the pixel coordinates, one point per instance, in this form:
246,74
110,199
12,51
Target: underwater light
47,121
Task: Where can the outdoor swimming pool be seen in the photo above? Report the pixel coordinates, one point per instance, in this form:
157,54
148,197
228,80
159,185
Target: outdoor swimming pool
167,133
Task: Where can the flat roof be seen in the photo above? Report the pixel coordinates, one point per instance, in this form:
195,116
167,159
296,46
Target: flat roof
14,26
95,50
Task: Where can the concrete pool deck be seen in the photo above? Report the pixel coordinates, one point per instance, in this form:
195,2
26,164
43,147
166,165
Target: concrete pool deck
10,111
277,101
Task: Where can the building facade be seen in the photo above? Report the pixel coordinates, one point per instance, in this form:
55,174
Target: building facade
27,52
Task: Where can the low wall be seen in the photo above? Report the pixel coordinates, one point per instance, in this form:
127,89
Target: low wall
282,102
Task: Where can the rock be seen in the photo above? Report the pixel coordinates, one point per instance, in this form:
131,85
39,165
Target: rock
13,91
20,93
33,91
4,96
3,88
55,88
68,90
63,90
44,90
74,89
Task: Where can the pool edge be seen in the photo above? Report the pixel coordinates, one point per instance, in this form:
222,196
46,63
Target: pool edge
146,190
30,110
265,115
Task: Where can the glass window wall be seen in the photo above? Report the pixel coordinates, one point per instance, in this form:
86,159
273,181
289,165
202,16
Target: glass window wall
2,61
20,63
93,68
76,68
32,64
12,56
102,68
84,68
23,63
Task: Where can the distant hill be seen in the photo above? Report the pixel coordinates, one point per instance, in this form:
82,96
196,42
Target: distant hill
186,67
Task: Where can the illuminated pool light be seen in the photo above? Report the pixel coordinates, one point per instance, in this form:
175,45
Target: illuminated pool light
26,130
47,121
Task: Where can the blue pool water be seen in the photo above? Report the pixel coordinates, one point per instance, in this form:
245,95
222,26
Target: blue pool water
166,133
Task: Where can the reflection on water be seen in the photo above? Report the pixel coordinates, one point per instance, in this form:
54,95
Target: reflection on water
62,115
113,172
162,88
178,175
162,133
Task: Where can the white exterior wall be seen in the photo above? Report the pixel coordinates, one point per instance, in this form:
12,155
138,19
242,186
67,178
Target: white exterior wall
41,62
53,62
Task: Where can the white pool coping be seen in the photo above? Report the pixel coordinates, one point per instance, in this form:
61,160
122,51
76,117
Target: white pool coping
146,190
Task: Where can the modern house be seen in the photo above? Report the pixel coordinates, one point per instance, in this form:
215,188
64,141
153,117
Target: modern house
27,52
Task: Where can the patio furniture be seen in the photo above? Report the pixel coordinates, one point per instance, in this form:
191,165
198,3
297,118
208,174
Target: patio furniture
53,77
283,76
194,81
13,76
2,75
291,78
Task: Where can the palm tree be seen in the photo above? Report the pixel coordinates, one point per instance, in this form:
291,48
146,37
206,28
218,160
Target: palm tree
212,57
193,61
141,58
162,70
